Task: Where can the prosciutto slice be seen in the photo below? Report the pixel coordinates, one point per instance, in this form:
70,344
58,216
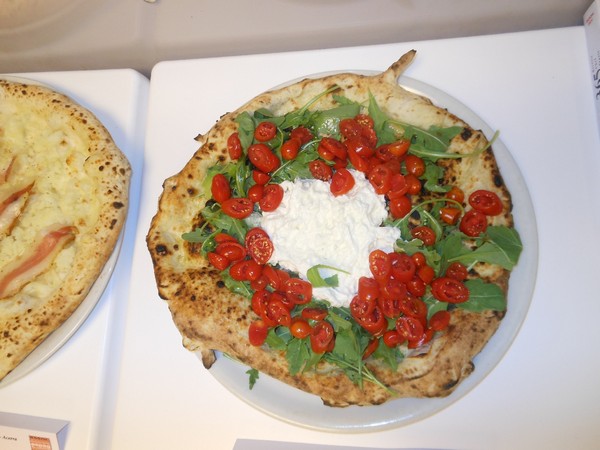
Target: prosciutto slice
11,208
32,264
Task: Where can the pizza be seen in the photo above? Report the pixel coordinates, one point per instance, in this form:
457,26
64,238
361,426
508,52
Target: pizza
340,234
64,189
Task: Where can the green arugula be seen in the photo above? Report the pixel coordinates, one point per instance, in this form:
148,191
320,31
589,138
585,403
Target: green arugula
315,278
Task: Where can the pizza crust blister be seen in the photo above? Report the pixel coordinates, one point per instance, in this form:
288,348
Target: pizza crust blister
211,318
77,182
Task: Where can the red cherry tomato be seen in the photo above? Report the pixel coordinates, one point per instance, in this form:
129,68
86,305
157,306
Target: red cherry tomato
380,178
425,234
456,194
342,182
272,197
320,170
218,261
321,336
256,192
259,245
486,202
219,188
368,288
263,158
350,128
440,320
414,165
298,291
233,251
426,273
278,313
265,131
330,148
257,333
245,270
413,183
449,214
414,307
370,349
419,259
224,237
302,133
375,322
403,267
399,148
300,328
392,339
361,307
260,177
458,271
314,313
365,120
360,146
260,300
449,290
398,186
380,264
409,328
416,286
399,206
234,146
238,207
290,148
473,223
360,163
390,307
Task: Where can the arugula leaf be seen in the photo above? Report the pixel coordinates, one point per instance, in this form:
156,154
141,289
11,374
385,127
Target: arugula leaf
315,278
391,356
238,287
384,133
253,376
218,220
432,176
327,122
246,126
297,167
483,296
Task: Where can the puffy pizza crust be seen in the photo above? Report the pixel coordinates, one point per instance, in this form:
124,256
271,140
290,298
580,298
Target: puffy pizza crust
210,317
79,178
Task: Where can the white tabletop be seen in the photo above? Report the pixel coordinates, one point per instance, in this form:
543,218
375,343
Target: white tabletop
70,385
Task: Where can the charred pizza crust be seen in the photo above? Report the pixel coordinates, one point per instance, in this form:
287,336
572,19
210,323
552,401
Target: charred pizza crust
78,181
210,317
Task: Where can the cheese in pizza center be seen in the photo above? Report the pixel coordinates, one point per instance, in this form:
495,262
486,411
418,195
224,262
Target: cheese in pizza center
311,227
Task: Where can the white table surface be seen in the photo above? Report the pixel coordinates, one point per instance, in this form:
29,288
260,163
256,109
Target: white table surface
70,385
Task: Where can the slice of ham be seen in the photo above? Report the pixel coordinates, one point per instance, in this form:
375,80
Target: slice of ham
4,174
12,207
32,264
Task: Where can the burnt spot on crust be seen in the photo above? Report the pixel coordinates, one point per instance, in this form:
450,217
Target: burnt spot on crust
220,284
466,134
118,205
161,249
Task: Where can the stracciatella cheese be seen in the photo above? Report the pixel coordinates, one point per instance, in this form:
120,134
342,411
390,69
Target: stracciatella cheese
313,227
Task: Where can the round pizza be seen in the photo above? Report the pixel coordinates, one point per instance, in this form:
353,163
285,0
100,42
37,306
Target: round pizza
64,189
340,234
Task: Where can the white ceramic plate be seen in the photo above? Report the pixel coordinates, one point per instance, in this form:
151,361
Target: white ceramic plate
63,333
297,407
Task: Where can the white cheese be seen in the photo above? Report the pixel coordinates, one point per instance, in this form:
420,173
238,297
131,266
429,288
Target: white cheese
312,227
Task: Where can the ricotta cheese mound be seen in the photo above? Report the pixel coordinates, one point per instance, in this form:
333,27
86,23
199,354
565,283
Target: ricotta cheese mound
313,227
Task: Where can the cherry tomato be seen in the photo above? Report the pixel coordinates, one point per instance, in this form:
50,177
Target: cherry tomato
361,307
278,313
298,291
342,182
390,307
375,322
300,328
321,336
392,339
380,264
426,273
332,148
370,349
365,120
260,283
260,177
473,223
238,207
399,148
301,133
414,307
486,202
403,267
416,286
245,270
257,333
392,289
350,128
458,271
425,234
320,170
409,328
272,197
440,320
234,146
233,251
314,313
399,206
218,261
224,237
360,146
259,245
413,183
368,288
290,148
380,178
419,259
256,192
359,162
263,158
398,186
260,300
369,134
219,188
456,194
414,165
265,131
449,215
449,290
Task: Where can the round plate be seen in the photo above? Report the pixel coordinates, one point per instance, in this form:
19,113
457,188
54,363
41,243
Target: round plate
62,334
291,405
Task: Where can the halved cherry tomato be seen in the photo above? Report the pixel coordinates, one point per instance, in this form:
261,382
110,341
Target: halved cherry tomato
449,290
265,131
272,197
224,237
300,328
218,261
458,271
290,148
399,206
380,178
368,288
419,259
320,170
257,333
260,283
362,307
219,188
414,307
360,146
278,313
455,193
416,286
414,165
380,265
302,133
426,273
245,270
449,214
256,192
260,177
399,148
473,223
259,245
392,289
298,291
360,163
375,322
260,300
330,148
314,313
425,234
392,339
486,202
440,320
390,306
342,182
238,207
321,336
398,186
233,251
263,158
370,349
413,183
365,120
350,128
234,146
409,328
403,267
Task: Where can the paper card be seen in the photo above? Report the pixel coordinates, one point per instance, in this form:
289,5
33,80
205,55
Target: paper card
591,22
251,444
21,432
